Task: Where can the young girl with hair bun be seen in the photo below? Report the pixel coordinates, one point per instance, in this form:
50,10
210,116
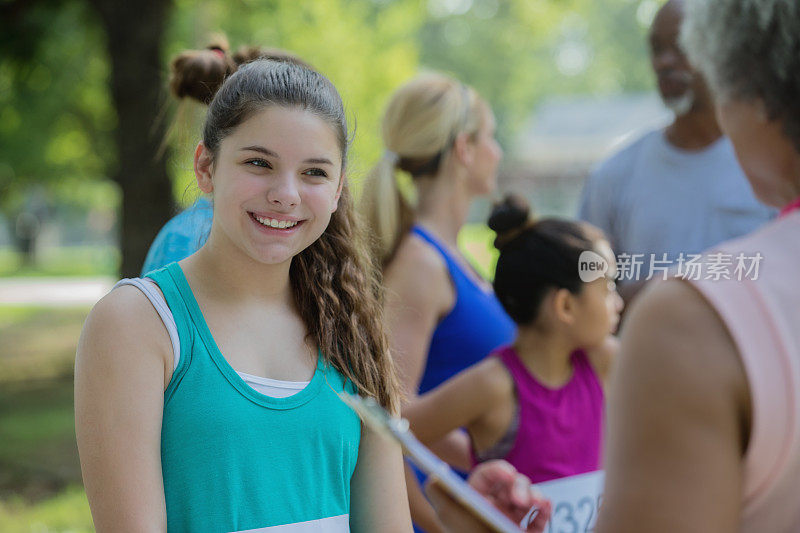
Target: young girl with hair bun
206,392
537,403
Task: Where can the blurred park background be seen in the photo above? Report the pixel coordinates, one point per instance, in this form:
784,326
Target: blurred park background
95,157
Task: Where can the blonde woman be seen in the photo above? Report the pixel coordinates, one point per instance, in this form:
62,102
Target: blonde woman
441,316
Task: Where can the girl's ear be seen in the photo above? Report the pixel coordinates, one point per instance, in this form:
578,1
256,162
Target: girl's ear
339,191
203,166
564,306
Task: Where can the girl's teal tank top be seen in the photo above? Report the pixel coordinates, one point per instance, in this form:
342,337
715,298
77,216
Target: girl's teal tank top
234,459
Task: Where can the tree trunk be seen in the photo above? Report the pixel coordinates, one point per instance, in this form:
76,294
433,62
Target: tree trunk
135,32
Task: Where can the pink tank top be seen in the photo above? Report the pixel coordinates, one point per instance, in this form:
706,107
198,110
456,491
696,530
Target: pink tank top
560,430
763,317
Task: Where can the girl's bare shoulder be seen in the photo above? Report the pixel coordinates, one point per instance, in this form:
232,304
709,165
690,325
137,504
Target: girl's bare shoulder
124,322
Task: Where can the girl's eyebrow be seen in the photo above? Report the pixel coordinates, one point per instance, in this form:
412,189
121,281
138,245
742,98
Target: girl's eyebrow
260,149
318,161
265,151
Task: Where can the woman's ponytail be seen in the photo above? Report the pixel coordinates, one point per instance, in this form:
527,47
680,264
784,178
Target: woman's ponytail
387,213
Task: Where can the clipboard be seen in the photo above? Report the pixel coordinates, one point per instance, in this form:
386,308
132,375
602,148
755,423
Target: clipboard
379,420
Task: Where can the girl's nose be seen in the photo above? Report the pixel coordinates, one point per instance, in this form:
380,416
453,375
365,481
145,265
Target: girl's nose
283,192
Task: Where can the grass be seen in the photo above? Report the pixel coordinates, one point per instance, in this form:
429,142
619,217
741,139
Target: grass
66,512
40,478
38,453
38,342
62,261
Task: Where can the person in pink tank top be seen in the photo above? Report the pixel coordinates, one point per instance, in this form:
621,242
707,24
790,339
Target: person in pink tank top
538,403
704,423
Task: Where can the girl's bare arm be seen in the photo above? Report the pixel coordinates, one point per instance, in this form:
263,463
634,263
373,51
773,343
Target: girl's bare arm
379,501
120,370
460,401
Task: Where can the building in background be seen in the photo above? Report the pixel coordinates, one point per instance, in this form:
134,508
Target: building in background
567,137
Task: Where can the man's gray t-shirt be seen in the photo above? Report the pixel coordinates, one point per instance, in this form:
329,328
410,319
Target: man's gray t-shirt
654,198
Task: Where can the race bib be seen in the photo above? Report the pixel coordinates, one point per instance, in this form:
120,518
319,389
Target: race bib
576,501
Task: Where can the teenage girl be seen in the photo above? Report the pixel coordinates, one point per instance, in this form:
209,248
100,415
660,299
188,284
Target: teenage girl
537,403
441,316
192,73
205,394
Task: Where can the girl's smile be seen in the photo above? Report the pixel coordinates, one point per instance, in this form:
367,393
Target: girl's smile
275,224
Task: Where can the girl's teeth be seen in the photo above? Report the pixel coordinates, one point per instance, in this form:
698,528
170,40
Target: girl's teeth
279,224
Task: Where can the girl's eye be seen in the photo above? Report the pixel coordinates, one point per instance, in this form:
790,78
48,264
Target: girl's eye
316,172
261,163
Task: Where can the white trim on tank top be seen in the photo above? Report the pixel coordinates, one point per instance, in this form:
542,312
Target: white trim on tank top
267,386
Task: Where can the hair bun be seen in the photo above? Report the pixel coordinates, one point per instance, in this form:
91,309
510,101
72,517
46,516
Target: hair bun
510,214
509,218
198,74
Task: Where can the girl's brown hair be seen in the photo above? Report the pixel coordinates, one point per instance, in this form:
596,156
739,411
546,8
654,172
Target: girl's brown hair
336,286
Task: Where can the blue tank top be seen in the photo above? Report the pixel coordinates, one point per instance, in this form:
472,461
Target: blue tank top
474,327
234,459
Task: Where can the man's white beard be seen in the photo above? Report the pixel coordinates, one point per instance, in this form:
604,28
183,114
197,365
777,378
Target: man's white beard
682,104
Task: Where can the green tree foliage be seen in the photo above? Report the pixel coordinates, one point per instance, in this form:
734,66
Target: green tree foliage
365,47
56,118
518,52
59,123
